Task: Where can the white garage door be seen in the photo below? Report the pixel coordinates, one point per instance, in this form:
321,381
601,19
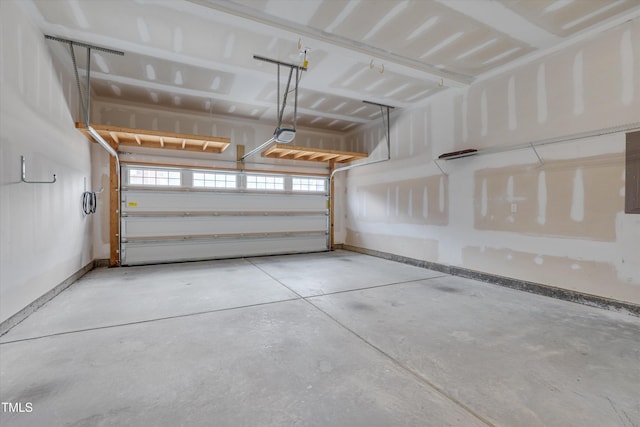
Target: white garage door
173,215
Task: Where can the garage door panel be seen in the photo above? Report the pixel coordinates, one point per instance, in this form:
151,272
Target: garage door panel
157,252
137,227
171,216
185,201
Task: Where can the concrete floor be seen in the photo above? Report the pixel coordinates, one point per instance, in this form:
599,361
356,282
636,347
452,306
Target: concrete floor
330,339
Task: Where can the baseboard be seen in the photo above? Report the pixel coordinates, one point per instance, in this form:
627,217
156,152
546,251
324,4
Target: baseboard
509,282
100,263
12,321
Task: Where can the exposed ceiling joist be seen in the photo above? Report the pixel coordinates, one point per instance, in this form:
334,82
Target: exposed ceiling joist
155,139
285,151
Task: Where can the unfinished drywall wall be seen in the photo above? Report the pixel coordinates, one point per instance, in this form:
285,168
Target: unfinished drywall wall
558,221
45,238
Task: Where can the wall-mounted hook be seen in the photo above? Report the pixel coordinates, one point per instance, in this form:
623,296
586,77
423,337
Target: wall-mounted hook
373,66
90,191
24,174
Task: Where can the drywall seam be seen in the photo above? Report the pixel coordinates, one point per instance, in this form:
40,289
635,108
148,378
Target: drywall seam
542,198
511,103
626,68
542,94
578,84
575,39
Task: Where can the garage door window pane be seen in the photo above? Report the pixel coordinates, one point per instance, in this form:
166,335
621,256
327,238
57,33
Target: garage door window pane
214,180
308,184
265,182
154,177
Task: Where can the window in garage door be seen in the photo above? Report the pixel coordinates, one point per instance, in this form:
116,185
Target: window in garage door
191,214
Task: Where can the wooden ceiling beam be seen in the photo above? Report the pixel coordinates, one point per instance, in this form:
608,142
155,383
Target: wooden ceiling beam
115,138
285,151
155,139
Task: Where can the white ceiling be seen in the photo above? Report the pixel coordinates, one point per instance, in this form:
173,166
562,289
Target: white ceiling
198,54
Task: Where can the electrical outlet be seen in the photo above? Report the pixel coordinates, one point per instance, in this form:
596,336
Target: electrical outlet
514,207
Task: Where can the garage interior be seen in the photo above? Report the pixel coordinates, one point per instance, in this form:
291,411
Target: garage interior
320,212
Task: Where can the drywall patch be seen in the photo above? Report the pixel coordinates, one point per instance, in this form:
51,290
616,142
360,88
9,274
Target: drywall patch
441,194
364,204
578,84
542,198
143,30
78,14
465,112
19,41
426,121
177,39
420,193
484,114
510,189
425,203
511,103
411,124
542,94
229,45
589,213
397,210
577,197
626,68
388,202
483,198
623,179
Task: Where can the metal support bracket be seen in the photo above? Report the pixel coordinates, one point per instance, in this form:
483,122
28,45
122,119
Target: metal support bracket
533,147
280,108
24,174
439,167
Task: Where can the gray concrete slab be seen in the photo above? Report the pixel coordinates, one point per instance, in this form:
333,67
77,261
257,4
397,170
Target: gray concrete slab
227,343
337,271
106,297
517,359
273,365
